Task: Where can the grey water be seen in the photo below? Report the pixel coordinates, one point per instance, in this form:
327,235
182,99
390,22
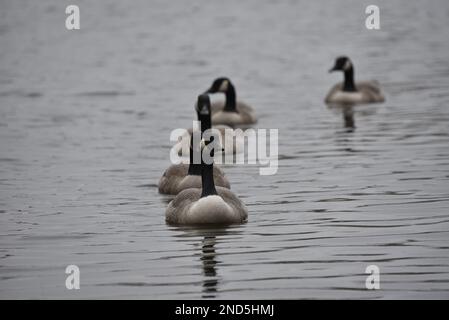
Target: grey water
85,119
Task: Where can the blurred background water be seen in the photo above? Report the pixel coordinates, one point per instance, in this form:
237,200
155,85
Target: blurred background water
85,118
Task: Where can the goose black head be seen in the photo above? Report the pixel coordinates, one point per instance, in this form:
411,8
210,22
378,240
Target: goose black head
203,105
224,85
220,85
342,64
203,110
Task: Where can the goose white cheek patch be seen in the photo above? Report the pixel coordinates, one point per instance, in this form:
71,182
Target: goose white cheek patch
347,65
224,86
261,147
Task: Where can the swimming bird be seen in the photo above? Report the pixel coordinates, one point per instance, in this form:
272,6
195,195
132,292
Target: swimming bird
183,176
208,204
350,92
230,112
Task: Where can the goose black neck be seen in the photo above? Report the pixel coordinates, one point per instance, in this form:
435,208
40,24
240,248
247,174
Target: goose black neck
349,84
206,122
207,180
207,175
194,169
231,99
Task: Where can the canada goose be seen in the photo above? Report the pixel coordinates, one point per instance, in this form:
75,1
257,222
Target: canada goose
183,176
206,205
230,112
349,92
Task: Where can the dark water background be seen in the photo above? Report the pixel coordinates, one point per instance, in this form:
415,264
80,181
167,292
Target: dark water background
85,118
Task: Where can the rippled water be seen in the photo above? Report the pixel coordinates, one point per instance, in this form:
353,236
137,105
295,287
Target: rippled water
85,118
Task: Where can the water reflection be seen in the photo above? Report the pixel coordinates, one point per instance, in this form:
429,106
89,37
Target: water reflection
347,110
350,110
208,256
209,236
348,118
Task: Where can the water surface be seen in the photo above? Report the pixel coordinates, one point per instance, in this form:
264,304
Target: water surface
85,118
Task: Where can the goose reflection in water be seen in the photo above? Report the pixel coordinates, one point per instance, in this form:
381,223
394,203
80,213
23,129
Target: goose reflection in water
348,118
208,255
209,236
349,110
